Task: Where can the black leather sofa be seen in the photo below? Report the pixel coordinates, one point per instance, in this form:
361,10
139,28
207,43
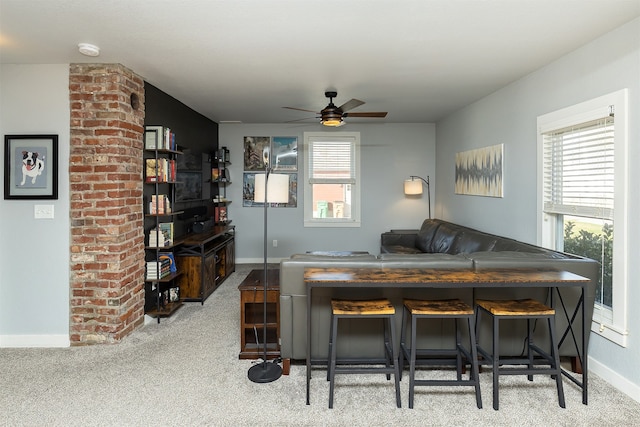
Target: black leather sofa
437,244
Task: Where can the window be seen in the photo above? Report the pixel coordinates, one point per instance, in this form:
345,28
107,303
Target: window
332,179
582,197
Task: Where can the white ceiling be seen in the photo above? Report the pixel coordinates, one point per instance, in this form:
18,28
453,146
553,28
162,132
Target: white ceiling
246,59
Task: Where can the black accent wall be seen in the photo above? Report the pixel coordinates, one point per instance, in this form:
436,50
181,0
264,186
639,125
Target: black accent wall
197,138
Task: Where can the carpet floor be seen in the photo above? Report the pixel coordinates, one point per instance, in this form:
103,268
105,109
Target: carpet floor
185,371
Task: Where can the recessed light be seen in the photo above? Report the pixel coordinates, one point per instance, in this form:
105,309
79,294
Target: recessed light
88,49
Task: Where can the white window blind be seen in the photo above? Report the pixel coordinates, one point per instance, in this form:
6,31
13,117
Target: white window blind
579,169
332,162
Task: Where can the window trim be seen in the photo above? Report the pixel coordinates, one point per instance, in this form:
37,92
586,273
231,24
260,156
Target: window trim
609,323
354,221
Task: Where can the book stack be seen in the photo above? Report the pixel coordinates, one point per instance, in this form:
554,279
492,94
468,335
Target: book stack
159,138
158,238
160,170
159,205
167,229
158,269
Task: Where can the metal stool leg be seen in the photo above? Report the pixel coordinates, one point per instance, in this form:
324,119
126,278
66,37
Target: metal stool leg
330,348
556,357
412,362
387,349
475,371
496,361
403,342
332,361
394,357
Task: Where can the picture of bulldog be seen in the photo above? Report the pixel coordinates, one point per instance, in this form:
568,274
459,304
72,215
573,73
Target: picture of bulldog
32,166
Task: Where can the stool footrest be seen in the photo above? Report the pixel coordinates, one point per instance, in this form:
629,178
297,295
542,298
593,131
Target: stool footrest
343,370
465,383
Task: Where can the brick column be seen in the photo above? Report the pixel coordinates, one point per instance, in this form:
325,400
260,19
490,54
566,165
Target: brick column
105,173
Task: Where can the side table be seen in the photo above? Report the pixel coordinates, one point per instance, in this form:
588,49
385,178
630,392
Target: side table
252,315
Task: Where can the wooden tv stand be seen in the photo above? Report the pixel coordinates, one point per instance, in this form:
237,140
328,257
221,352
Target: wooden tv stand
205,260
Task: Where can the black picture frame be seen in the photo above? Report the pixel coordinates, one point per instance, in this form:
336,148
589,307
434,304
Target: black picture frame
30,167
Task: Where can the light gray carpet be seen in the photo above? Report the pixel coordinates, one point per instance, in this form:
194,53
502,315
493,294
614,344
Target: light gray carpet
186,372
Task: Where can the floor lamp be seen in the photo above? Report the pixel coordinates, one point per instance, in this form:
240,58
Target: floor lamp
413,186
268,188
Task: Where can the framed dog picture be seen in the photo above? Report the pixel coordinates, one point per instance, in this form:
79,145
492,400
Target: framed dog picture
31,166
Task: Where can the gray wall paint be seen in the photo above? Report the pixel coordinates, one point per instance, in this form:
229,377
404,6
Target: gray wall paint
34,253
508,116
390,153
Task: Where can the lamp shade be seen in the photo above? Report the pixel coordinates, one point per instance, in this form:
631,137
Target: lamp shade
277,191
412,186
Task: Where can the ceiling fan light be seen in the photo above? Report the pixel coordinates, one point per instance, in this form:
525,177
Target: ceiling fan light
332,122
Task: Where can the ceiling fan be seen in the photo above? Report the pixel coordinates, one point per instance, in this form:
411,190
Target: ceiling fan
333,116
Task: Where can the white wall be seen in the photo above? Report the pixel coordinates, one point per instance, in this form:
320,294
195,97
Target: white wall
390,153
34,253
508,117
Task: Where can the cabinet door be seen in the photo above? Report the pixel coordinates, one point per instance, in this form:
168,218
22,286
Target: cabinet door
230,258
209,274
189,281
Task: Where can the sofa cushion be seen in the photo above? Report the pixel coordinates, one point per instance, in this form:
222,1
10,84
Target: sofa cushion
469,241
425,260
444,238
425,235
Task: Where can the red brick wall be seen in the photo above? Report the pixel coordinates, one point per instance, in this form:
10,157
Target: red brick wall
105,172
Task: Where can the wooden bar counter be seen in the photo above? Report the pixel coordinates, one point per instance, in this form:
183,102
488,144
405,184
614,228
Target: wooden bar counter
449,278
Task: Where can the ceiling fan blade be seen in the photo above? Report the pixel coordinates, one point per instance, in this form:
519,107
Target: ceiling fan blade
301,109
379,114
349,105
301,120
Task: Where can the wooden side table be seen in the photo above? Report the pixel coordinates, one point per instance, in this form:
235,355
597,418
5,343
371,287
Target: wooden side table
252,315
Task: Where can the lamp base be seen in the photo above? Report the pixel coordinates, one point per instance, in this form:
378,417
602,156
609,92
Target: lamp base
265,372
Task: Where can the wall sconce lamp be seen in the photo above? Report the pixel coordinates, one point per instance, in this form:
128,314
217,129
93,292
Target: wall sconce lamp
413,186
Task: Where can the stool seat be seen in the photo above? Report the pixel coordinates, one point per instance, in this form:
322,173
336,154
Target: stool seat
453,307
521,307
362,308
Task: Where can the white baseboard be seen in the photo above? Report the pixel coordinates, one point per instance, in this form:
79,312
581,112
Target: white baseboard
14,341
615,379
258,260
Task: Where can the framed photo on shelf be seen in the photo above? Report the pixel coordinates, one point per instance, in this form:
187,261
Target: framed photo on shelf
31,167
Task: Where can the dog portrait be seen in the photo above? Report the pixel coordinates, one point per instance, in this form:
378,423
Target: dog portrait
31,167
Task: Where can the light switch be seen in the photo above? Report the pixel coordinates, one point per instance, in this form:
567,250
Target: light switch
43,211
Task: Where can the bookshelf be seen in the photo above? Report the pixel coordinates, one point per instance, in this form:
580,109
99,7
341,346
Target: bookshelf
220,178
162,290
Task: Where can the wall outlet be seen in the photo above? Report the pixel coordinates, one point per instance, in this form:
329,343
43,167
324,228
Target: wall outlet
275,243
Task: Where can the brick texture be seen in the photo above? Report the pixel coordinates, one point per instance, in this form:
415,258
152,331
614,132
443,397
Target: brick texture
105,172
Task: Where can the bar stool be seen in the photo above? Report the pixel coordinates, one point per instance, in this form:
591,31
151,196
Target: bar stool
521,309
455,310
368,309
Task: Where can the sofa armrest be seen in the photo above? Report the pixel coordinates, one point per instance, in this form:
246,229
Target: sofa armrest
402,241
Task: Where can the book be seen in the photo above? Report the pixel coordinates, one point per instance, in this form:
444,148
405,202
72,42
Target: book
153,137
158,238
159,204
167,229
168,256
220,214
151,170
